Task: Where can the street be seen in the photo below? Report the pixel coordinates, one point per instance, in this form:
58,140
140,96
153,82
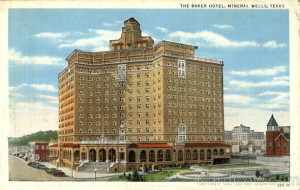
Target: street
19,171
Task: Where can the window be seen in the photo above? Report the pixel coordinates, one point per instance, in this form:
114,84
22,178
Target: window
36,147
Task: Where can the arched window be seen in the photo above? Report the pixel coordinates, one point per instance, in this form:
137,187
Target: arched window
188,155
168,155
221,152
131,156
151,156
160,155
208,154
143,156
202,155
195,154
180,155
215,152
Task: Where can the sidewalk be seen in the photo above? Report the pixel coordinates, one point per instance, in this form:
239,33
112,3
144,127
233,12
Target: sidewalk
81,175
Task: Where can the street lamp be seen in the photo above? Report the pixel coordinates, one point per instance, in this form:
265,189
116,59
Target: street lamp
95,173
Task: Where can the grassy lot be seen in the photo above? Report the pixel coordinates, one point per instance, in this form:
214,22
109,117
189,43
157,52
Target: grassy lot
155,176
159,176
281,178
213,167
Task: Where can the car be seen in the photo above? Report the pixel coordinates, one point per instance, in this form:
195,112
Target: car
59,173
35,164
42,166
51,170
32,164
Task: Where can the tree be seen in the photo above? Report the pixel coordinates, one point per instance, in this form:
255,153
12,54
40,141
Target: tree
257,173
44,136
135,175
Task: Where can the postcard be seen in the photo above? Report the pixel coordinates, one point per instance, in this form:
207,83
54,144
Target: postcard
135,94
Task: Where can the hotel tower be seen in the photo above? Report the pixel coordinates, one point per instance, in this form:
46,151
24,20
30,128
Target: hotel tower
140,105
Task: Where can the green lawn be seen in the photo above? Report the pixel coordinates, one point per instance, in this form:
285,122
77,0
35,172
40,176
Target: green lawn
159,176
230,166
155,176
276,178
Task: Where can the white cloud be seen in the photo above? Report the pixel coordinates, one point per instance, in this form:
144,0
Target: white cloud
29,117
255,118
39,87
52,35
273,44
43,87
271,106
162,29
260,72
282,78
240,99
100,40
276,99
277,81
51,99
211,38
270,93
15,94
222,26
114,23
18,58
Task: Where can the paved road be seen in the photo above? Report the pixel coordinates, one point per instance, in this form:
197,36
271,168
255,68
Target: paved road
19,171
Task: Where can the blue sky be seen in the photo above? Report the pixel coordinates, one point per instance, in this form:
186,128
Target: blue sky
254,45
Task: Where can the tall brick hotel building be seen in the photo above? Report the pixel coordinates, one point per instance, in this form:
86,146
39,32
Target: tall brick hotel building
140,105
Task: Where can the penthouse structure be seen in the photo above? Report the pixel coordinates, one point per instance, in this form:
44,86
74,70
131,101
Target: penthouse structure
140,105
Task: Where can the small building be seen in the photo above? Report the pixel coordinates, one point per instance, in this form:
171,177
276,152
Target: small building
278,139
38,151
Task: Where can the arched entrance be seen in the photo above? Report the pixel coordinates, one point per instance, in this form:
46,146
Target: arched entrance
112,155
195,154
202,155
188,155
151,156
76,155
208,154
131,156
92,154
168,155
180,155
160,155
143,156
102,155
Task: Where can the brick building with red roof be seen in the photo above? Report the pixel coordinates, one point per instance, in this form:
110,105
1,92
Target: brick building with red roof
278,139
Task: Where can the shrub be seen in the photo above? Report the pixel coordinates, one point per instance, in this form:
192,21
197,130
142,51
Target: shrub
272,179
